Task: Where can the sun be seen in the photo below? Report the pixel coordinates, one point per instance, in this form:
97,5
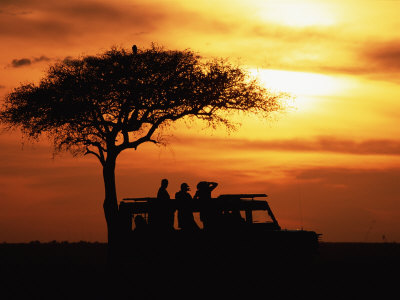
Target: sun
305,87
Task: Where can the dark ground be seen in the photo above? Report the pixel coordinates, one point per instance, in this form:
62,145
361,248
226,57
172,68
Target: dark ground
77,271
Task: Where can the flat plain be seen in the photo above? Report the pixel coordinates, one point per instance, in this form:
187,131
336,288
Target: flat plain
78,271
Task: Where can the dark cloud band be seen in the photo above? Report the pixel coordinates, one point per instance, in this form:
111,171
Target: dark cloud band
16,63
318,144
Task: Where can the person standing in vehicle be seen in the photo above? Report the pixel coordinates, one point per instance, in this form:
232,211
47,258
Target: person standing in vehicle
162,213
208,210
185,209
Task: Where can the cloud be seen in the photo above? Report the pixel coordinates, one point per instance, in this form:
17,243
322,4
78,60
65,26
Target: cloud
16,63
41,58
62,21
378,60
258,42
383,55
373,180
262,43
72,20
292,34
318,144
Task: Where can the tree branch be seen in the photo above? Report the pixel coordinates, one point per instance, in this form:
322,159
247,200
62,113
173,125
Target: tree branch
153,128
99,156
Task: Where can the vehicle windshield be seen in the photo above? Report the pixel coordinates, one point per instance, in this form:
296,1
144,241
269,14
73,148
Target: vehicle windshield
261,216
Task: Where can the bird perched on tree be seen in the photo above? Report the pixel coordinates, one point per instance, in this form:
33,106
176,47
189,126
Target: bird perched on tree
134,49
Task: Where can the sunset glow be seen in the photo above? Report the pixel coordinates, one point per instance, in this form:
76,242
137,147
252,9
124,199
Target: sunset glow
301,85
297,14
335,146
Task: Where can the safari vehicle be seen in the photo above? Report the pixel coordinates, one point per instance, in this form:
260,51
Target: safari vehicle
256,235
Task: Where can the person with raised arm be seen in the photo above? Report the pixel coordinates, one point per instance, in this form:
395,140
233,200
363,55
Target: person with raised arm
208,210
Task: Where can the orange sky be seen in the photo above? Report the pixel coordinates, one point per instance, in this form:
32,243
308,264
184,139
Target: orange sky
330,163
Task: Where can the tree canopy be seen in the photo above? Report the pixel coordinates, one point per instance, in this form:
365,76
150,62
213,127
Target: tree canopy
116,100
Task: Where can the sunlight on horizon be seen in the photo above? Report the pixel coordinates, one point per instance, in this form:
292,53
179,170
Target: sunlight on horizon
304,87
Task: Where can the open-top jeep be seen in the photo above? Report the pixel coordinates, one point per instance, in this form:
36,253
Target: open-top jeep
255,234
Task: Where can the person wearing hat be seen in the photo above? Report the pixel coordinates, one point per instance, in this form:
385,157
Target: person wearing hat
185,209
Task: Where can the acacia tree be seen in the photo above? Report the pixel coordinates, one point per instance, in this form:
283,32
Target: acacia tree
105,104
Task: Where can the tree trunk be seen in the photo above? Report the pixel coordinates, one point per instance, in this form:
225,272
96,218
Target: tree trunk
110,207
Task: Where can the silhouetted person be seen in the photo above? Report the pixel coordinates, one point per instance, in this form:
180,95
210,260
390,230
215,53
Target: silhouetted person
185,209
162,213
208,211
